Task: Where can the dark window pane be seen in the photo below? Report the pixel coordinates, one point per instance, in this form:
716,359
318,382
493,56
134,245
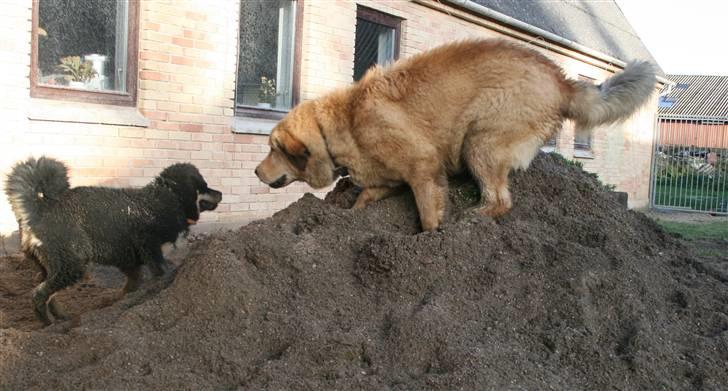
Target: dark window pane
83,43
374,45
265,63
582,139
552,141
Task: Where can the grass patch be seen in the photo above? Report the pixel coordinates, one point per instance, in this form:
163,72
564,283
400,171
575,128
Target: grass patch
716,230
707,197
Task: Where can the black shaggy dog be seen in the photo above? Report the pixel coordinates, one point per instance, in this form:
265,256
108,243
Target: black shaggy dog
63,229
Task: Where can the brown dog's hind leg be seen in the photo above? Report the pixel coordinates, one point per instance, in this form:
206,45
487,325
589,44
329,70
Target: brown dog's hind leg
430,195
372,194
492,178
497,197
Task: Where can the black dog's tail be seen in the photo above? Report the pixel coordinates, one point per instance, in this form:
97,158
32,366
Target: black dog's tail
33,184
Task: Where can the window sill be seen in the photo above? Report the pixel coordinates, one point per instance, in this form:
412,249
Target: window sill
583,154
260,112
87,113
253,125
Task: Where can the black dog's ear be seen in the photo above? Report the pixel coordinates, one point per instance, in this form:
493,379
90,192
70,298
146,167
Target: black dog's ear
295,151
184,180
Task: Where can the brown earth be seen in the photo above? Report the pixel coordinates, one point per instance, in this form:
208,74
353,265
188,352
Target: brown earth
568,291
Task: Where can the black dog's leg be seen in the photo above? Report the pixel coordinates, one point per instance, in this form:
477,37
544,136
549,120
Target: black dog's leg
157,263
61,275
40,298
133,279
56,309
42,274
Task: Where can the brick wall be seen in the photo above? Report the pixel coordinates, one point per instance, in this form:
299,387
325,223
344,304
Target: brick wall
187,70
186,82
14,64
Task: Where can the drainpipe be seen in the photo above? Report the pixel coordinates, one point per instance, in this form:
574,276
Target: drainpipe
505,19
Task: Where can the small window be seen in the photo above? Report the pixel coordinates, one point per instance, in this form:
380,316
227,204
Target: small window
666,102
583,140
266,60
85,50
377,40
552,141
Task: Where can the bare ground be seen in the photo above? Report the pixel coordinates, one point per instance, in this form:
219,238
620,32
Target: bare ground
568,291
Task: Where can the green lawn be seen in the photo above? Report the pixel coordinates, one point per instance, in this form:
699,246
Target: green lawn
715,230
710,197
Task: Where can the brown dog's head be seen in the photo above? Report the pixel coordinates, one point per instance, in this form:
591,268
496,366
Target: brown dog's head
297,151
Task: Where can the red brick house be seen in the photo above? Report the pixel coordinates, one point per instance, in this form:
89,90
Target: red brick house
695,112
120,89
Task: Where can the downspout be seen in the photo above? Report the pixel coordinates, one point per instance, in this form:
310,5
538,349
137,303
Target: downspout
507,20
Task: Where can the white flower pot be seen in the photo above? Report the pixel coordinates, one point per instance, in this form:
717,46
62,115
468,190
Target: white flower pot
264,105
76,84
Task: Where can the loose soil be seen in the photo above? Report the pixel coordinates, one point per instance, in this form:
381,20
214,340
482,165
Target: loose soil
568,291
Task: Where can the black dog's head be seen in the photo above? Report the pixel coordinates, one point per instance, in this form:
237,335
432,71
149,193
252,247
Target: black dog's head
190,187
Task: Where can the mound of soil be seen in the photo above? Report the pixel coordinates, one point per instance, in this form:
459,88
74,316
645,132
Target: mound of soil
568,291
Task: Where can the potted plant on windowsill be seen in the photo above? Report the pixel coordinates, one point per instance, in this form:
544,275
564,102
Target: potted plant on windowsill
77,72
267,93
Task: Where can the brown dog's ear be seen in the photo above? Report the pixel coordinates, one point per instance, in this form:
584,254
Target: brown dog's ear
296,152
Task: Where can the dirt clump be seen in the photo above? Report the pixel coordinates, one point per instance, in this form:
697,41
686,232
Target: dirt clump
570,290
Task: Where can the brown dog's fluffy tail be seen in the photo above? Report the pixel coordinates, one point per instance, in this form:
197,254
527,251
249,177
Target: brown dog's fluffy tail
33,184
615,99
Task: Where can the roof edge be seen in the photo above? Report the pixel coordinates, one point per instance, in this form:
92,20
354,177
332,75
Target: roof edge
541,33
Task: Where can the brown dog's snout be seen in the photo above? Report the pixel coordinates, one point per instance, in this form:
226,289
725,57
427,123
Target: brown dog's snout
272,172
280,182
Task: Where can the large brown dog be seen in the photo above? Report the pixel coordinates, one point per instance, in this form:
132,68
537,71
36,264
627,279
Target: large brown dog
482,105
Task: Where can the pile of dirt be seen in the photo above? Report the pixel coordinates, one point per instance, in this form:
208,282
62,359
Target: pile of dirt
568,291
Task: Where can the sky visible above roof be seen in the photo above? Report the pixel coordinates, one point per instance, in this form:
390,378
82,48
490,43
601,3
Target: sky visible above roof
686,37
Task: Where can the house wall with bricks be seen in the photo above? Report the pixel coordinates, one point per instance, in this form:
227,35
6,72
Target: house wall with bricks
185,107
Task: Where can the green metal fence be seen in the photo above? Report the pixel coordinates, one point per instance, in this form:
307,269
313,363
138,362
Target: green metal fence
690,165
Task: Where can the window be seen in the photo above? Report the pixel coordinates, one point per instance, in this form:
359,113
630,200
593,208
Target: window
666,102
85,50
266,85
582,139
552,141
377,39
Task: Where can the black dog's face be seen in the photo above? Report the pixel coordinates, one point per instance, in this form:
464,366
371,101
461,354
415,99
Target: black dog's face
191,188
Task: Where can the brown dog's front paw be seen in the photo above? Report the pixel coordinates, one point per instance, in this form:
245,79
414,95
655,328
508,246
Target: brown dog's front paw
493,210
361,203
373,194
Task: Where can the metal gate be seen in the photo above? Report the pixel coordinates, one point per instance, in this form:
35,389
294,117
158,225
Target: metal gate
690,165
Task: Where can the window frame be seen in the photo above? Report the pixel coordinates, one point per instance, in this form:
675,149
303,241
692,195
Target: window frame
585,147
127,98
379,17
245,111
